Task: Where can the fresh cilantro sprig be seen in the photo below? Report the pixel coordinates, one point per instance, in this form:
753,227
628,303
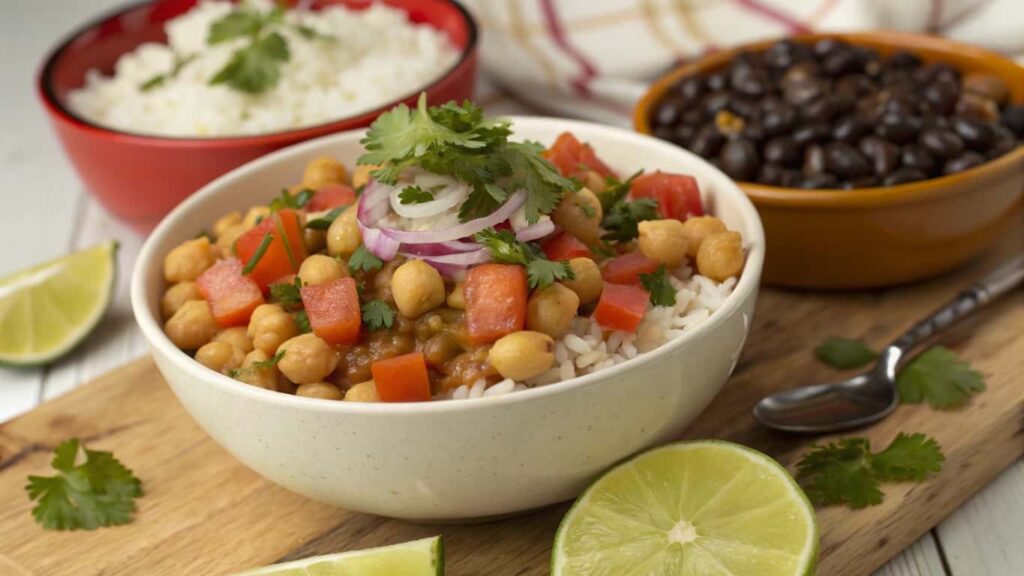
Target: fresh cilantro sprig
417,195
847,472
615,191
100,491
378,315
288,295
302,321
293,201
258,365
364,260
621,223
457,140
845,353
937,376
658,286
504,247
324,222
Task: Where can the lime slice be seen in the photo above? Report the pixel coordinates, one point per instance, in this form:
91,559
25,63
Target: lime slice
49,308
418,558
692,508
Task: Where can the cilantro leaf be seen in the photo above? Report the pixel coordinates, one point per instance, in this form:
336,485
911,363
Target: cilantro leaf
302,321
258,365
99,492
615,191
621,223
258,254
908,457
939,377
324,222
539,177
377,315
288,295
239,23
847,472
504,247
293,201
416,195
363,259
845,353
159,79
658,286
257,67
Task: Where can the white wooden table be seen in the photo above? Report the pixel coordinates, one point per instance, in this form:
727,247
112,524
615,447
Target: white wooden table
45,213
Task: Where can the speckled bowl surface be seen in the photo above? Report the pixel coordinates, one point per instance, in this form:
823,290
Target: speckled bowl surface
461,459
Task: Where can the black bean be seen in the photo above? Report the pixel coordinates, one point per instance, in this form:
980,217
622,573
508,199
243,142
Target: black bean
683,134
782,150
744,107
754,131
1003,141
917,156
843,103
717,81
785,53
771,174
903,176
855,85
819,181
814,159
901,104
977,135
669,111
694,115
779,120
865,182
942,143
883,155
811,133
800,93
691,88
826,46
845,161
716,101
904,59
707,142
976,106
819,110
800,73
739,159
845,61
941,96
965,161
749,81
792,178
897,127
850,129
1013,118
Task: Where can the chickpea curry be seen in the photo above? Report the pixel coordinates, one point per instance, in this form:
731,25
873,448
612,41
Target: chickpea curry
458,258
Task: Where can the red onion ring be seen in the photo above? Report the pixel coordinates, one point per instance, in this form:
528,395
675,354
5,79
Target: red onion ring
462,230
536,231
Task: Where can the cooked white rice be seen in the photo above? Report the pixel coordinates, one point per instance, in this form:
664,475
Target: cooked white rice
588,348
378,56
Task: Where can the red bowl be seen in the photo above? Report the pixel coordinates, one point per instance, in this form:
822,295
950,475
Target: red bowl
140,178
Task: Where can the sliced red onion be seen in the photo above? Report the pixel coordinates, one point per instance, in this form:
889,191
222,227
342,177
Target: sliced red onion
541,229
440,248
461,230
378,243
464,259
447,198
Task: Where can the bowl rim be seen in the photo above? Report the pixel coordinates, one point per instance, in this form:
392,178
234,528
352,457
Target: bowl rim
46,93
858,198
746,287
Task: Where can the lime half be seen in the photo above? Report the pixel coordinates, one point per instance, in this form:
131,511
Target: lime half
693,508
49,308
418,558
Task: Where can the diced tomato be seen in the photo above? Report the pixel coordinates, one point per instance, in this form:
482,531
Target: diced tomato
626,269
402,378
284,253
574,158
331,196
678,195
495,301
564,246
333,310
621,307
231,295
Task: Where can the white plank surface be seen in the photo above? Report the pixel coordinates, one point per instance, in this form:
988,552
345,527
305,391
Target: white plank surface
46,214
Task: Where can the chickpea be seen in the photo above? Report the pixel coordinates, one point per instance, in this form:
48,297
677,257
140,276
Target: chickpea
269,326
580,214
551,310
254,215
587,282
441,348
363,392
226,222
321,390
361,174
307,359
417,288
237,337
220,356
320,269
268,378
721,256
226,241
522,355
322,172
315,240
177,295
595,182
697,228
343,237
192,325
663,240
188,260
457,297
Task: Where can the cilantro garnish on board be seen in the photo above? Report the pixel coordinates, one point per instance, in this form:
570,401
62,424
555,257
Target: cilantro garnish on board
847,472
458,140
100,491
504,247
845,353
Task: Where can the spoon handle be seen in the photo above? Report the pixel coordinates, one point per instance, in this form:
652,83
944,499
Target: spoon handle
995,284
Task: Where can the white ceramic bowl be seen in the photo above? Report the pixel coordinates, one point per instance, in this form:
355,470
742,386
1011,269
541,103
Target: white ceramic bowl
465,458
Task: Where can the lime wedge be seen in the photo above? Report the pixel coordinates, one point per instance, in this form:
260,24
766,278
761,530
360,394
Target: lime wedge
693,508
49,308
418,558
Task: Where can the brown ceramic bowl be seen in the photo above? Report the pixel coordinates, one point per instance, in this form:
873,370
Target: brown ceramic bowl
870,237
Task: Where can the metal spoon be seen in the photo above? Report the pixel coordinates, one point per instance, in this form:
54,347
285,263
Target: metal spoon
871,396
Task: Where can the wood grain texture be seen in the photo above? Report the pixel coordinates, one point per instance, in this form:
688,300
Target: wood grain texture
205,513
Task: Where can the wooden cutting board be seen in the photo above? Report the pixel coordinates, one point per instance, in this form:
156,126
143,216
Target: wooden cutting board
204,513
